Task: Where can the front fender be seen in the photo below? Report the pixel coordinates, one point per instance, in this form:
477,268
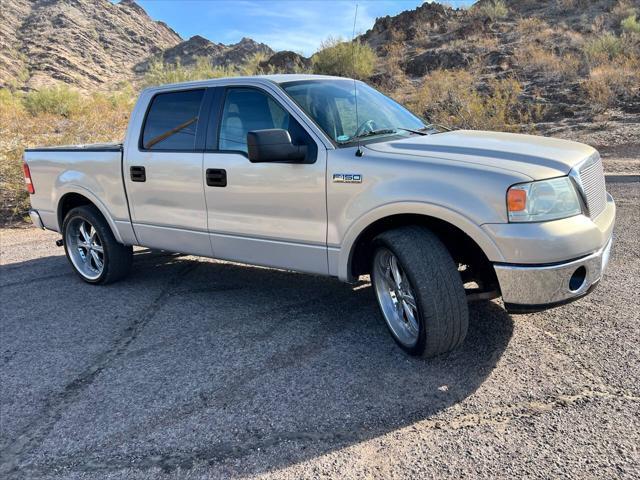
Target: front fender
340,257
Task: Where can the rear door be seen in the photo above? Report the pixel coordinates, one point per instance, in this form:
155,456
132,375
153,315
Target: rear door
164,176
270,214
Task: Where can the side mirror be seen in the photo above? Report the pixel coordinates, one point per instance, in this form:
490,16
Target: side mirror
273,145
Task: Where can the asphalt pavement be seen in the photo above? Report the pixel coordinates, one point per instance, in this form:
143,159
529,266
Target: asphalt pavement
194,368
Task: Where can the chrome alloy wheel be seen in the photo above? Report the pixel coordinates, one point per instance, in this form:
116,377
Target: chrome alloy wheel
396,298
85,248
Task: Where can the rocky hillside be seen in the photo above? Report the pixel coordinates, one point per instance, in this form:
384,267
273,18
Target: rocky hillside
93,43
186,53
80,42
570,59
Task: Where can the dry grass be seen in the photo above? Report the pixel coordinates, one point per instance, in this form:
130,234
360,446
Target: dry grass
624,9
536,59
610,84
96,118
452,98
533,28
614,66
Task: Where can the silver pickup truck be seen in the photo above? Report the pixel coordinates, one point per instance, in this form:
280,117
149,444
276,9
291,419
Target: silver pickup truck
328,176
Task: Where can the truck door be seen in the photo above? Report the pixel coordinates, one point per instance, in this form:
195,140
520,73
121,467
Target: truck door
163,173
271,214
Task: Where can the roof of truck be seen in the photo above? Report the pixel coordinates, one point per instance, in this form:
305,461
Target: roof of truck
278,78
296,77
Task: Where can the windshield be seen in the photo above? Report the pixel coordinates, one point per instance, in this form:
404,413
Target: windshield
331,104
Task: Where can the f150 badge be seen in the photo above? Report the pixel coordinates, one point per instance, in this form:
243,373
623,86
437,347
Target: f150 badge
347,178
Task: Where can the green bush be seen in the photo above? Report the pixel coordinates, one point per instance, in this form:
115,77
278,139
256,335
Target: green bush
495,9
344,59
59,100
10,100
604,48
630,24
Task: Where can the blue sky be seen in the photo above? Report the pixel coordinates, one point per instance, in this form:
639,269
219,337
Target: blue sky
298,25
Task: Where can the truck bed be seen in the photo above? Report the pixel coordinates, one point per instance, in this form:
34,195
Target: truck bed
90,147
92,171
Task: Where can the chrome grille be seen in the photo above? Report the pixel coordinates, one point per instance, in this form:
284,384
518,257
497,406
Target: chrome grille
591,176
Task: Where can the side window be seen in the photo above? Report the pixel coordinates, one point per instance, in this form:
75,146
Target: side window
172,120
248,109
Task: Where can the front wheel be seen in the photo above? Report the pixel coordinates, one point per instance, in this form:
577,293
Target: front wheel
92,249
419,291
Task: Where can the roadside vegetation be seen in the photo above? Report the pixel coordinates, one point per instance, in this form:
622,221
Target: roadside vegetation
451,98
52,116
344,59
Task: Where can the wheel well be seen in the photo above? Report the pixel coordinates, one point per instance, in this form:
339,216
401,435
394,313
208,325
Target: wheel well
69,201
464,250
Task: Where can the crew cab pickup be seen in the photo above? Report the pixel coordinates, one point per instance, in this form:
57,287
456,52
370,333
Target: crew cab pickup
328,176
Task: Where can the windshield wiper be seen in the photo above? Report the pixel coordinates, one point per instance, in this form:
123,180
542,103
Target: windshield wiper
381,131
422,131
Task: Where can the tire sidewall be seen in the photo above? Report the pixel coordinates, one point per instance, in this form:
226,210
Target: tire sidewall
420,344
86,213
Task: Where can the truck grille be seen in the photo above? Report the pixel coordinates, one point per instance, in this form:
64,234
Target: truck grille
591,176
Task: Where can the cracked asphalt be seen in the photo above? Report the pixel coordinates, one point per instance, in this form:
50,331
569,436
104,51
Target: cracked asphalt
193,368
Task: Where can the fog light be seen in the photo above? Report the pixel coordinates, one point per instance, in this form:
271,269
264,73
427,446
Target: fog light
577,279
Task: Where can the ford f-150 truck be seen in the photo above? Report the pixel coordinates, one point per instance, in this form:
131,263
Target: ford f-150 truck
328,176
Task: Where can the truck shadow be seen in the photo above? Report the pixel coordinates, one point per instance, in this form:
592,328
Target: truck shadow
244,368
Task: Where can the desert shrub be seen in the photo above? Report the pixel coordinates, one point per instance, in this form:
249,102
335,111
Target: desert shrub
452,98
10,100
57,100
494,9
630,24
603,48
612,83
624,9
160,73
344,59
533,58
251,66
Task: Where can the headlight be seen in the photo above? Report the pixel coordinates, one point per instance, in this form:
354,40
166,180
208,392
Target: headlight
543,200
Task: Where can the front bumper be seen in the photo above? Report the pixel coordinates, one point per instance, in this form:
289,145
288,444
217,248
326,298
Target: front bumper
531,288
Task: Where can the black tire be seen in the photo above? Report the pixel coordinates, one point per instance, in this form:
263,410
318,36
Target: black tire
443,314
117,258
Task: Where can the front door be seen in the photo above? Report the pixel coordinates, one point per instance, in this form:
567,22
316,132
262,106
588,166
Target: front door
271,214
164,177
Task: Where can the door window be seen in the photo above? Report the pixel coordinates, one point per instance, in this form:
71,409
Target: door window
248,109
172,120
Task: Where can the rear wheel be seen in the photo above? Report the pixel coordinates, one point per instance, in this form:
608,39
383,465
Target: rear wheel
92,249
419,291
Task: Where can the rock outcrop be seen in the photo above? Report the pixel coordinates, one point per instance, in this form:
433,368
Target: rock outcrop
85,43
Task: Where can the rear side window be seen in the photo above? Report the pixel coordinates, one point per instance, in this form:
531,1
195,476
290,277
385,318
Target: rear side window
172,120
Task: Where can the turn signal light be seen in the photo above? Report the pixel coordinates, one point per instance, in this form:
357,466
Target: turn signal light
27,179
516,200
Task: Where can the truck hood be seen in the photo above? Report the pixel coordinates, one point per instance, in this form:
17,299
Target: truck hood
536,157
